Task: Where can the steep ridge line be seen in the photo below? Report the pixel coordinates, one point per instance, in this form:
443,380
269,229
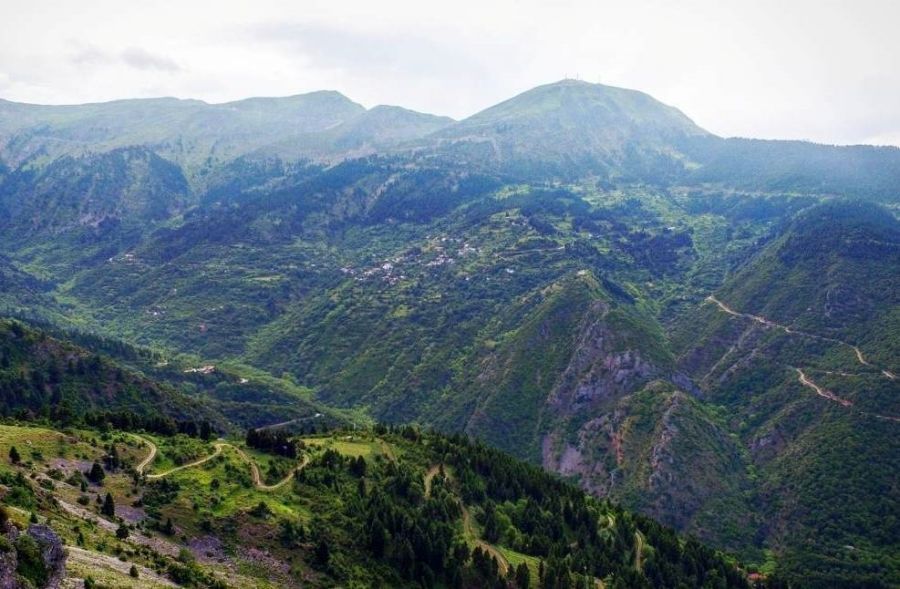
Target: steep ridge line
769,323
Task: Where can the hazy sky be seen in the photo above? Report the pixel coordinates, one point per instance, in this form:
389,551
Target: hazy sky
825,70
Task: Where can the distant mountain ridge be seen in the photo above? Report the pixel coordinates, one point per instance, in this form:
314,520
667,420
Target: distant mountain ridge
566,130
704,329
198,135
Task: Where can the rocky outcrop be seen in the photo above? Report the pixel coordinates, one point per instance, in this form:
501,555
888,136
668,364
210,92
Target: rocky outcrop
597,371
52,552
585,399
593,459
8,558
52,555
658,451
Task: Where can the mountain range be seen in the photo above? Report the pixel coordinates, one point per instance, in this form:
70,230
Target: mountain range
705,330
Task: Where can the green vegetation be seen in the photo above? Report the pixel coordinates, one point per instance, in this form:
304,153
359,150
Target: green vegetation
536,277
390,506
825,285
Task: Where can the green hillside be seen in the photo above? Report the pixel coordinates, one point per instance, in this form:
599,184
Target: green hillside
378,508
49,376
803,363
703,329
43,376
570,129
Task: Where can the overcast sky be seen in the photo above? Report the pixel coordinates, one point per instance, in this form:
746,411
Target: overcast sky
825,70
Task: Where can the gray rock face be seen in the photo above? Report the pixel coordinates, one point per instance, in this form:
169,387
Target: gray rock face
8,560
53,553
597,373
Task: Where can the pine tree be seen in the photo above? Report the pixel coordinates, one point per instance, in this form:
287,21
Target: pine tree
109,506
112,459
359,467
323,552
523,576
96,474
378,539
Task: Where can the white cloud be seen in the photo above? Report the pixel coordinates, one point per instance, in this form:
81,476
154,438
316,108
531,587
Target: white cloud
88,55
826,70
144,60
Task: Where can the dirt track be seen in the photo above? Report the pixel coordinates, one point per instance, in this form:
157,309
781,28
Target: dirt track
146,461
218,450
468,526
802,377
804,380
219,447
769,323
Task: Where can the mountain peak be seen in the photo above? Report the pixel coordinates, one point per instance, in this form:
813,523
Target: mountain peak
322,102
590,103
573,127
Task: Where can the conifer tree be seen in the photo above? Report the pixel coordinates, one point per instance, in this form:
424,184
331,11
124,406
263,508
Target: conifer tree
96,474
109,506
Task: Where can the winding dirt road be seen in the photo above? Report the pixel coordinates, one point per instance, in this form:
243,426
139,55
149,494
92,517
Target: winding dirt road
146,461
802,377
638,551
257,478
470,531
429,476
769,323
219,447
218,450
468,526
804,380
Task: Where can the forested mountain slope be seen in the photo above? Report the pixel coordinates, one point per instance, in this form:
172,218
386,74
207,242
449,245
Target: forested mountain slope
50,376
799,347
134,486
40,375
704,329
